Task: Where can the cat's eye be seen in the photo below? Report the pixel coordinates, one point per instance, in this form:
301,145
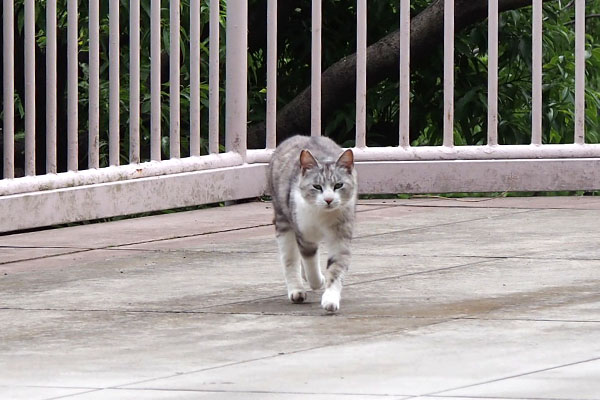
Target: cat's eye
318,187
338,186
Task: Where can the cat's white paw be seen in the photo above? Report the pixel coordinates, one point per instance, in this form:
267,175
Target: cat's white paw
330,300
297,296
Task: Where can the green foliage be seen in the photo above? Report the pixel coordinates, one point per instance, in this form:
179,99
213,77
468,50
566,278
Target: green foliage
124,57
470,124
339,40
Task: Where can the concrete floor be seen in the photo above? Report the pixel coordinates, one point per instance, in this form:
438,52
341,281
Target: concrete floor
446,299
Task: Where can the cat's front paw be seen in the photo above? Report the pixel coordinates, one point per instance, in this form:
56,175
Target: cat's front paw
330,300
297,296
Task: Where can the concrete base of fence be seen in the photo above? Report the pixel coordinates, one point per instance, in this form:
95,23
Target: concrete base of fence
103,200
445,299
479,175
151,193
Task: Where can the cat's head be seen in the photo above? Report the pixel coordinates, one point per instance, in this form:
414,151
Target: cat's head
327,184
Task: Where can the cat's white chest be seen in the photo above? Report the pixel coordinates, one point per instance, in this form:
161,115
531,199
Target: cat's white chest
314,224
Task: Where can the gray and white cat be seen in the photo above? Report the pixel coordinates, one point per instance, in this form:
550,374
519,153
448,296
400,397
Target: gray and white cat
314,189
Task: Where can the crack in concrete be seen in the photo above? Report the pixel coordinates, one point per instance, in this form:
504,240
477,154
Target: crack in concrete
44,257
118,246
115,247
418,228
513,376
280,354
295,314
175,390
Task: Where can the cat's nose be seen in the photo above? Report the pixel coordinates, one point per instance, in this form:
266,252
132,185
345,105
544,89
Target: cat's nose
328,200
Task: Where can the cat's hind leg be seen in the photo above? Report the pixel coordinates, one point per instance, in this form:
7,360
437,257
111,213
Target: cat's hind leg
310,262
311,270
290,260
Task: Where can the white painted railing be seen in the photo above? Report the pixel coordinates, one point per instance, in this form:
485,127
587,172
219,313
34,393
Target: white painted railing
44,197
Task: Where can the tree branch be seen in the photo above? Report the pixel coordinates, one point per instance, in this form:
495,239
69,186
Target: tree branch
586,18
339,80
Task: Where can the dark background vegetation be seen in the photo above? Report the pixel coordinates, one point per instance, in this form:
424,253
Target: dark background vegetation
339,43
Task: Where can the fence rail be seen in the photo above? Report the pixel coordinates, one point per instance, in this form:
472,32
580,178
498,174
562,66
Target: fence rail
44,197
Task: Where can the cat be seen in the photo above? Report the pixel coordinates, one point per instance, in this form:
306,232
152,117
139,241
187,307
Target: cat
314,189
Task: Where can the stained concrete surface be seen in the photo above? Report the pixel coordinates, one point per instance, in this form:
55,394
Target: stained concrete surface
446,299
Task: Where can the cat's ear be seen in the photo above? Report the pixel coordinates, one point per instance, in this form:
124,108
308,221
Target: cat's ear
307,161
346,160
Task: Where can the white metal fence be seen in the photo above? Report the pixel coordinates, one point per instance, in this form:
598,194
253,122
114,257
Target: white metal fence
44,197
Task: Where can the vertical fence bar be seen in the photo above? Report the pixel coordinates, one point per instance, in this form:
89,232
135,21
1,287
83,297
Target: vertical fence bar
134,82
174,68
492,138
213,78
315,67
271,74
361,73
8,129
404,135
194,77
536,78
72,87
29,87
579,71
94,88
236,85
51,86
155,108
448,72
113,50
